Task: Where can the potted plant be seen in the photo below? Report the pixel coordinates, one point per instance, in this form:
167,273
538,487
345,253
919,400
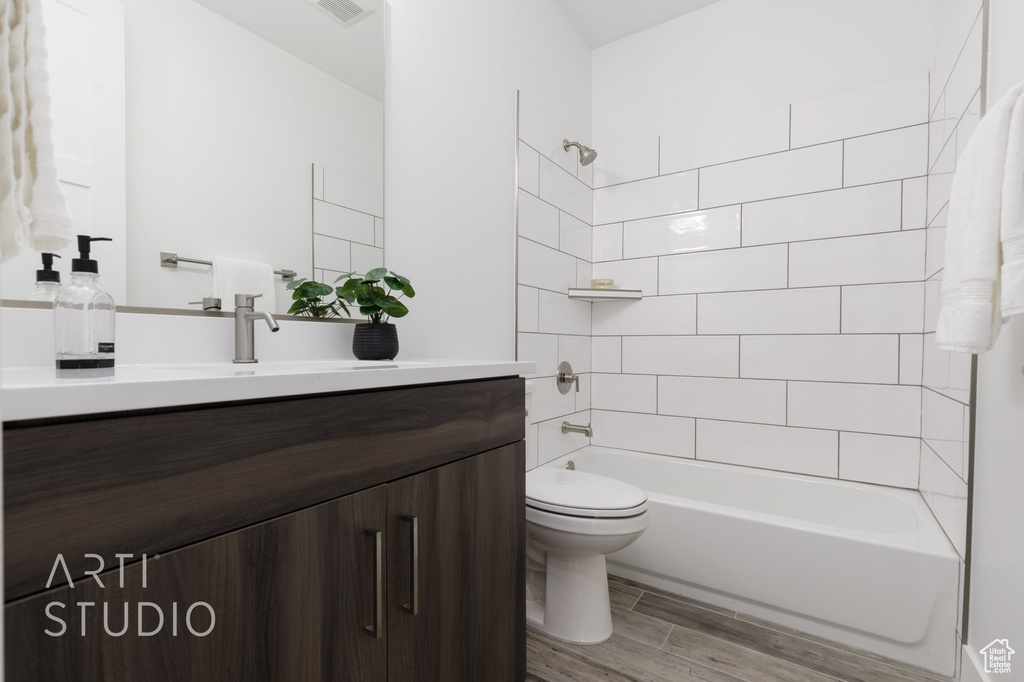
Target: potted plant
374,293
310,302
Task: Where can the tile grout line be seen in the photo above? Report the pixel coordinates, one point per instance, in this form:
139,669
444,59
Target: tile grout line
756,156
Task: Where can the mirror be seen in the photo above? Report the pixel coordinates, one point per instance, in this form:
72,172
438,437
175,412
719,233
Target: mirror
216,128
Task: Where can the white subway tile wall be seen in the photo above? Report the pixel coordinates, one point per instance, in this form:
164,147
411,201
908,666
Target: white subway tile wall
811,451
786,261
644,432
765,132
788,316
774,175
888,105
639,273
838,213
718,228
556,253
348,224
626,162
885,156
646,198
946,376
366,258
886,460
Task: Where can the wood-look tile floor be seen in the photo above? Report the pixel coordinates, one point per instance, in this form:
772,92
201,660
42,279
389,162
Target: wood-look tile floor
658,637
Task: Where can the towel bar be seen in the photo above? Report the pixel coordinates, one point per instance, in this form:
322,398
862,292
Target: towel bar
171,260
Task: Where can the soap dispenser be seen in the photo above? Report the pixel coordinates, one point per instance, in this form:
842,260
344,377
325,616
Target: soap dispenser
84,316
47,280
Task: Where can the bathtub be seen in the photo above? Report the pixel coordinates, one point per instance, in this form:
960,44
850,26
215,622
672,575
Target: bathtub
860,564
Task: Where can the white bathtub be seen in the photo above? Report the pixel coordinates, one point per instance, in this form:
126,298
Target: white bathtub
863,565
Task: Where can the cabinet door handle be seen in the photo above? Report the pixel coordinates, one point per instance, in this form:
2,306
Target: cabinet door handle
413,606
377,629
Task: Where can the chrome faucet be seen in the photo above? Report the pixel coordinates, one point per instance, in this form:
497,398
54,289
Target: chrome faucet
244,315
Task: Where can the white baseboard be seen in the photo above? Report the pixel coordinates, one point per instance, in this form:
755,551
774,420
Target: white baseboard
971,668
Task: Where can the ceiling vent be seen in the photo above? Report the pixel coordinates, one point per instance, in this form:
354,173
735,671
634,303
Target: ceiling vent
347,12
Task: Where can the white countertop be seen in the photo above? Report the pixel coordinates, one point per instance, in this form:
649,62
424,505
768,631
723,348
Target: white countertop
37,392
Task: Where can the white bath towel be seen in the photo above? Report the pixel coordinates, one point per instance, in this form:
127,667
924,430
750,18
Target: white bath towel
33,210
230,276
983,277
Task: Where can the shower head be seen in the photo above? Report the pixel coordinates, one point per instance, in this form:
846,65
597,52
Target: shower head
587,155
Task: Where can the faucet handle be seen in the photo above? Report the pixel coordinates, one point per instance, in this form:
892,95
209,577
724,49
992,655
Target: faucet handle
566,378
246,300
208,303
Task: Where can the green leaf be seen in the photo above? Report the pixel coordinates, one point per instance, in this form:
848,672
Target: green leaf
408,290
398,310
376,273
295,283
344,276
368,310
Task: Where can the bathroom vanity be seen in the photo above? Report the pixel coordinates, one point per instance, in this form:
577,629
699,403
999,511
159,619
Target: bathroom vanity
352,533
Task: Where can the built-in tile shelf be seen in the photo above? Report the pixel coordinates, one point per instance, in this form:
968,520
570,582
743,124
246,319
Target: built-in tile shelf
598,295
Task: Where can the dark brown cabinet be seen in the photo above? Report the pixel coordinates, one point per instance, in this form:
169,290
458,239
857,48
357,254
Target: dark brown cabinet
289,599
415,573
453,570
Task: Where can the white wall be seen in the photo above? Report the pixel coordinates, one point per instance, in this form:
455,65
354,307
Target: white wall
453,69
223,129
997,556
742,56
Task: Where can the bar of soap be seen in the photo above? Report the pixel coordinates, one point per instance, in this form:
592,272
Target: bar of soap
602,284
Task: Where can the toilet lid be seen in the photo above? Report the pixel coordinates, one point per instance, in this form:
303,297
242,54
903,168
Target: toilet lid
577,493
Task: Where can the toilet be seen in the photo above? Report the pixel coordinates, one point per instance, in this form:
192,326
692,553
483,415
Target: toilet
573,519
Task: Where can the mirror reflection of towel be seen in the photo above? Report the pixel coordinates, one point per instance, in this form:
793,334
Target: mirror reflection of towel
33,210
230,276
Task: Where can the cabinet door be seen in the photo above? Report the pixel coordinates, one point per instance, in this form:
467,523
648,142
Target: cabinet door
456,572
292,599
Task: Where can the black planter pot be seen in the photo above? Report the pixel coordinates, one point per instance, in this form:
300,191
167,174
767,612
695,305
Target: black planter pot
375,341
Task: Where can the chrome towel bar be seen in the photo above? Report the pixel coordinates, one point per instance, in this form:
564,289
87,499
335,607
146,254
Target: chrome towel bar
171,260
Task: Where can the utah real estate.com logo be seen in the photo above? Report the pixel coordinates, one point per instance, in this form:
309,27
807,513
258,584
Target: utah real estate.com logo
997,656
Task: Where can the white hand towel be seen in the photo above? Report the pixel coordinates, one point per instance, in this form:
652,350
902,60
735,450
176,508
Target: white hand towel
231,276
33,209
983,277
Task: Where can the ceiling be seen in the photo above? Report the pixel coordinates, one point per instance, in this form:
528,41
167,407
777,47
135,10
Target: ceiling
604,21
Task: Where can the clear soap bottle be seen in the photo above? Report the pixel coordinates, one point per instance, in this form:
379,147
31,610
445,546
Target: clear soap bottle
83,316
47,281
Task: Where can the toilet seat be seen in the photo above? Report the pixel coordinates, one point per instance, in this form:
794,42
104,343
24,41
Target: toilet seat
577,493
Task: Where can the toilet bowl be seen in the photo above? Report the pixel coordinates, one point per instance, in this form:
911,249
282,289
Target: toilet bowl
573,519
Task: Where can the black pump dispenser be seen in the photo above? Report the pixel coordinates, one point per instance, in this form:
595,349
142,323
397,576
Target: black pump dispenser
48,274
83,263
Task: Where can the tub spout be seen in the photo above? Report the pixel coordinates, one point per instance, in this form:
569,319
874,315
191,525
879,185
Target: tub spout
575,428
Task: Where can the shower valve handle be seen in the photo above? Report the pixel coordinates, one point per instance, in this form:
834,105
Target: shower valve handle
566,378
